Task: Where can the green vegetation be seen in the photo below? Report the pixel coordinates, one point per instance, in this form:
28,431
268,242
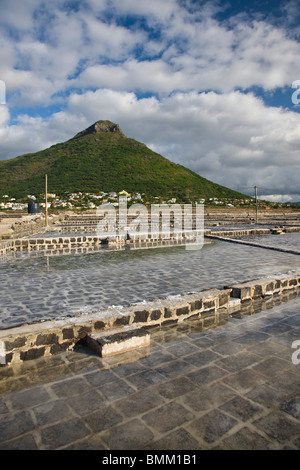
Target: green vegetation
102,158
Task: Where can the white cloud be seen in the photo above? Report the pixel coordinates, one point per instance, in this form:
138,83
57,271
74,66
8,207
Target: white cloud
18,15
195,51
212,57
281,198
232,139
4,115
93,64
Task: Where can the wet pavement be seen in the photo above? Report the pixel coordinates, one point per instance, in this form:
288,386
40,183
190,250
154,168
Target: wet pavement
286,241
38,288
236,386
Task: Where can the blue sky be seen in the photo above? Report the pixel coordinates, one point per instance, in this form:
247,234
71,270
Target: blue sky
207,84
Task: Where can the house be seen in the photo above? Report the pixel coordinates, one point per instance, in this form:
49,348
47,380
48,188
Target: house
124,193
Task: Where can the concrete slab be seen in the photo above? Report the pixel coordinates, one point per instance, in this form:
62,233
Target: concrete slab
110,343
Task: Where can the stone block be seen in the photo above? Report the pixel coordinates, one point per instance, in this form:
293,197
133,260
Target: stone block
48,338
141,316
293,283
184,310
277,286
82,331
68,333
209,304
15,343
99,325
155,315
257,291
242,291
33,353
123,320
269,288
58,348
223,299
196,305
115,342
168,313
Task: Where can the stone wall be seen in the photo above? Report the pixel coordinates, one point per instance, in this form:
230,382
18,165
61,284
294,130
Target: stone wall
209,308
19,226
253,232
213,216
262,288
88,243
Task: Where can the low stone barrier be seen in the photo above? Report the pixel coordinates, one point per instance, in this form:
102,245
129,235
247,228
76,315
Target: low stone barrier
16,226
5,247
84,243
254,244
31,341
107,344
262,288
209,308
67,244
242,232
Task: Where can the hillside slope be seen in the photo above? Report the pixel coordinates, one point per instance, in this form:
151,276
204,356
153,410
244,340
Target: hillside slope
102,158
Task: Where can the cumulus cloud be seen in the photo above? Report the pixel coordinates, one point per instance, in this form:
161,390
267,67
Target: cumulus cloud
204,56
168,72
177,49
232,139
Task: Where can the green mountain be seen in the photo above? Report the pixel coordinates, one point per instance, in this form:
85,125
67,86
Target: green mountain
102,158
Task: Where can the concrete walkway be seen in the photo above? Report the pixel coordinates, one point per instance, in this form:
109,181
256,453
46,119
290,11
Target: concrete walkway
231,387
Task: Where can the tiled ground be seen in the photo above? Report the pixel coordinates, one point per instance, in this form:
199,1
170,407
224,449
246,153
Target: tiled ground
41,288
288,241
231,387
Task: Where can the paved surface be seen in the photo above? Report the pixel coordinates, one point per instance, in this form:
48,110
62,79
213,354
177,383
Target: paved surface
44,288
230,387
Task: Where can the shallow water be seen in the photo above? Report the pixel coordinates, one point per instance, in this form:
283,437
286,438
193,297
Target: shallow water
288,241
35,288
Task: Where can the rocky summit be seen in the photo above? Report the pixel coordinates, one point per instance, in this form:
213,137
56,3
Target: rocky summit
99,127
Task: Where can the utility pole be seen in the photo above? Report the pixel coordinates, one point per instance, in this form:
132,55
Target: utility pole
256,203
46,200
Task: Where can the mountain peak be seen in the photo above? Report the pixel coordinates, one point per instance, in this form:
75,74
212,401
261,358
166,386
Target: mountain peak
102,159
99,127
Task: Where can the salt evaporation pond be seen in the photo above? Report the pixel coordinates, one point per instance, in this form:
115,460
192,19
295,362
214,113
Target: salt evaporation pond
289,241
37,288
